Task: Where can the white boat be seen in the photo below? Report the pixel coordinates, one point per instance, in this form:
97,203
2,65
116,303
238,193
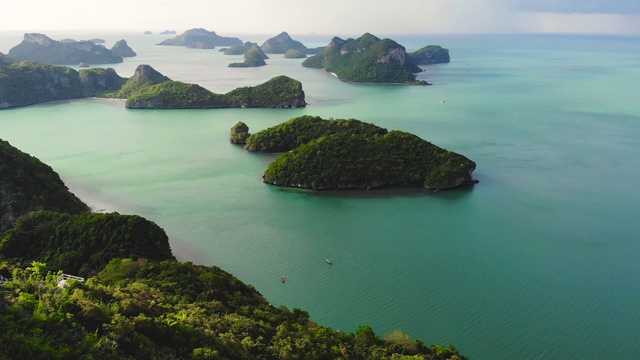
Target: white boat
329,262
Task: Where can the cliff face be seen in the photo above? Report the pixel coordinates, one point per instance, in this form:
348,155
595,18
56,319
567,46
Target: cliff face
98,80
26,184
122,49
28,82
40,48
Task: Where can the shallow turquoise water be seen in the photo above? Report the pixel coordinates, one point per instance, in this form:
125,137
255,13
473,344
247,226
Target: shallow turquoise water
538,261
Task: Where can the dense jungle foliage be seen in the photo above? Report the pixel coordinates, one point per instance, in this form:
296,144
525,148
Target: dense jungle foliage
27,184
82,244
353,161
280,91
239,133
139,309
298,131
367,60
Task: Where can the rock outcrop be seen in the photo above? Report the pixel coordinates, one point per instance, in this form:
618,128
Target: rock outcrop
40,48
122,49
201,39
239,133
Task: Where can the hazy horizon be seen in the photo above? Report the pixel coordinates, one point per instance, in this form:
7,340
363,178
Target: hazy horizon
330,16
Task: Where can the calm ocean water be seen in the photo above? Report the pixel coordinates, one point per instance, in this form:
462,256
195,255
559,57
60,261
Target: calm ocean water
540,260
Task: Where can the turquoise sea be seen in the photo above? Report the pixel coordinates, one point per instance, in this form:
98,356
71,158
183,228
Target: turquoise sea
540,260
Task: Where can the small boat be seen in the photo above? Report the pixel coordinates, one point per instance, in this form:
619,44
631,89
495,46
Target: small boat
329,262
283,279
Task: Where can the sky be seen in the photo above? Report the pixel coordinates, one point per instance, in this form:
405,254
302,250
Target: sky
330,17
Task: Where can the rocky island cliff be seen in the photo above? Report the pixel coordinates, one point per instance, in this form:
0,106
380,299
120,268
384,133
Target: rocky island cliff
122,49
40,48
367,59
350,154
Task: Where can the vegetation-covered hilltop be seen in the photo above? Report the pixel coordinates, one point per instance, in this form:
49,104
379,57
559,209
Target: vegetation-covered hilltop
139,306
350,154
282,43
28,82
253,57
201,39
279,92
366,60
40,48
27,184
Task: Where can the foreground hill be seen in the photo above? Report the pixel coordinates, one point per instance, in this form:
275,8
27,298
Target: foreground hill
366,59
27,184
136,308
350,154
201,39
40,48
28,82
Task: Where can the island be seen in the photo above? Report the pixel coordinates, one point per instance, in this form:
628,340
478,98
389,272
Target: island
239,133
295,54
29,82
40,48
97,41
242,49
201,39
279,92
367,59
78,285
432,54
148,32
168,32
282,43
252,57
122,49
350,154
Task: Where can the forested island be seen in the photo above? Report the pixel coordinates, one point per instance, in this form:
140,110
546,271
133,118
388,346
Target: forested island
122,49
350,154
138,302
369,59
201,39
282,43
41,48
253,56
28,82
